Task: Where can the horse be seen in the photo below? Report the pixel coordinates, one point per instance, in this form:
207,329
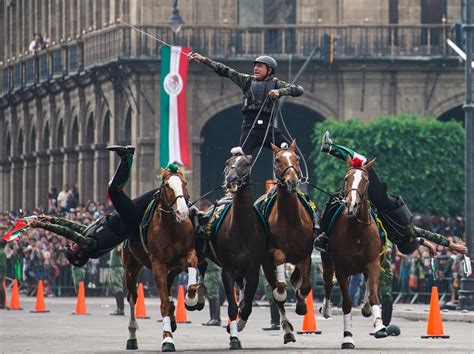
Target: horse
239,243
171,249
290,237
355,247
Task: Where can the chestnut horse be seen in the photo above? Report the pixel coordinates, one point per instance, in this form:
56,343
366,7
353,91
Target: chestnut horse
290,237
355,247
171,249
240,243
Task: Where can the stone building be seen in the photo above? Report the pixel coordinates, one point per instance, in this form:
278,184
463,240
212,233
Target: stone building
97,82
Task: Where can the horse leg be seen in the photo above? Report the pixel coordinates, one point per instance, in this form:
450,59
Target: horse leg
303,286
160,273
251,285
172,274
191,299
228,279
132,268
366,310
279,293
373,272
347,342
328,276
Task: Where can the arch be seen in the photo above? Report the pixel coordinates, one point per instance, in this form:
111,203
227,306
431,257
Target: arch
46,136
21,142
89,138
33,139
75,132
8,145
455,113
216,145
60,136
446,104
106,128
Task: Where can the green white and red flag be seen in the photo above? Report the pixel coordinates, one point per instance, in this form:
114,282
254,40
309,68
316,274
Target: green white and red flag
174,140
20,226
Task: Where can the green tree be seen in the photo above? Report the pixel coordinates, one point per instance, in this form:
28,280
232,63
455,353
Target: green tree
421,159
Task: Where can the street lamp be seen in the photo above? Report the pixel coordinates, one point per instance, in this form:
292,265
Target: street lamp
175,21
466,292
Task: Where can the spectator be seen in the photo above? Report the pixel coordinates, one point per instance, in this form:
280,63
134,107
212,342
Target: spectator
64,198
36,44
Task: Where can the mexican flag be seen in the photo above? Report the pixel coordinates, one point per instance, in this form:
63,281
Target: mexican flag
174,142
21,225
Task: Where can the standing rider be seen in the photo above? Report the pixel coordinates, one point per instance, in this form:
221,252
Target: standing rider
261,92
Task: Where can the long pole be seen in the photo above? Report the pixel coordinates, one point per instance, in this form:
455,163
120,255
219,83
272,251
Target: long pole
466,293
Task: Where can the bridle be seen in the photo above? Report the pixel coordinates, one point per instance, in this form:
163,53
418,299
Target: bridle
241,179
280,175
164,197
362,195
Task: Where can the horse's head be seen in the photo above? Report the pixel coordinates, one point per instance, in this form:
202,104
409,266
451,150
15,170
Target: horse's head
356,183
174,193
287,166
237,170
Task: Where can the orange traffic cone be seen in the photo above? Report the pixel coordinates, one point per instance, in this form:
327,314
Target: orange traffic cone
81,301
5,289
140,310
237,301
309,321
15,299
180,308
40,306
435,323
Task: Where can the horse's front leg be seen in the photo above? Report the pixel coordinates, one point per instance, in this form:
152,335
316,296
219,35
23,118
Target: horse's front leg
279,259
228,279
160,273
328,276
343,280
251,285
303,286
373,273
192,299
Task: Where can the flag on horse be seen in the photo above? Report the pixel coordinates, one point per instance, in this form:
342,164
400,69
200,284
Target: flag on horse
174,141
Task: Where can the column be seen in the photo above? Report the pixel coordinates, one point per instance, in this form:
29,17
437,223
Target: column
42,179
86,173
101,172
5,168
29,182
71,168
56,160
16,182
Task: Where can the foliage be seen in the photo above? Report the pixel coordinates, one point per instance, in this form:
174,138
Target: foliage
421,159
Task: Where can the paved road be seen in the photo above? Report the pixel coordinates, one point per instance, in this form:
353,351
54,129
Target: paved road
60,331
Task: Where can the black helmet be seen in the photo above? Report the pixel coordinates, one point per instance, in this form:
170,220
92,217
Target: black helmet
268,61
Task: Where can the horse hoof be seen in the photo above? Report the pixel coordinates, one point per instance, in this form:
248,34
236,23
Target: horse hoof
366,311
393,330
168,347
289,337
241,325
301,309
381,333
235,344
347,346
132,344
200,306
190,308
173,326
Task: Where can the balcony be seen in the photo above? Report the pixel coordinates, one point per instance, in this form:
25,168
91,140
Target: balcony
120,42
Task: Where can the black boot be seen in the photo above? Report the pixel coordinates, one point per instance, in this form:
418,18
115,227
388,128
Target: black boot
2,296
122,173
274,318
120,300
214,312
321,243
387,309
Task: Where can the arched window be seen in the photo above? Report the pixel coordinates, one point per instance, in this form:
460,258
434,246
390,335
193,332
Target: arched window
75,132
20,142
60,134
106,129
33,139
90,130
46,137
8,146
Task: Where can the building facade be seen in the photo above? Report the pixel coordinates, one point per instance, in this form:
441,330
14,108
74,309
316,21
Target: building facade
97,82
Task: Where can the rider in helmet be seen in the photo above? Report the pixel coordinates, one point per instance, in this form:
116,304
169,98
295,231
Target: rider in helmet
261,91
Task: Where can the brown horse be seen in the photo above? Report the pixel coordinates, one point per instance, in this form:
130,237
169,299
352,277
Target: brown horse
356,247
240,243
171,249
290,237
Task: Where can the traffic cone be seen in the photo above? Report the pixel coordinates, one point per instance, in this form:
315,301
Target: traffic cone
435,323
40,306
140,310
5,288
237,301
309,321
81,301
180,308
15,299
